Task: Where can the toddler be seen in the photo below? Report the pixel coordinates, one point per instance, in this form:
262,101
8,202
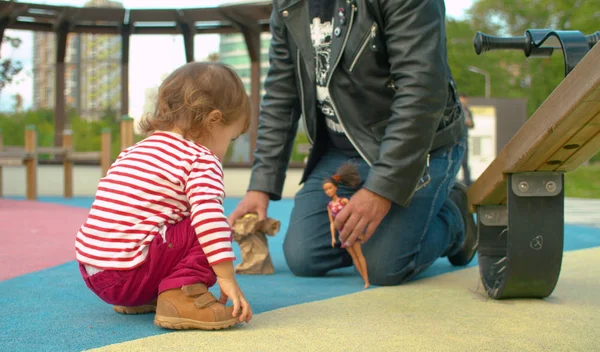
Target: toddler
156,237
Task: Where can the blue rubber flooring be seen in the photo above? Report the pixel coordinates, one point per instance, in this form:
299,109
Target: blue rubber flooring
52,309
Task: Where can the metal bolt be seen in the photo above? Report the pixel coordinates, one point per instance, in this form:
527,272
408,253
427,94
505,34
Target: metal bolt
285,13
550,186
523,186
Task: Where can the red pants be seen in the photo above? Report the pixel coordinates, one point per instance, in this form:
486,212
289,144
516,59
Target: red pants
177,262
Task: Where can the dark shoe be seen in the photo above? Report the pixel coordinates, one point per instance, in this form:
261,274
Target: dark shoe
459,196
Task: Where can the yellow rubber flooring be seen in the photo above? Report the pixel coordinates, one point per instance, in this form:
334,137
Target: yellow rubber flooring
444,313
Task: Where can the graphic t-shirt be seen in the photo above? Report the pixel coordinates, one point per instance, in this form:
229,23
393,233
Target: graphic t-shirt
321,30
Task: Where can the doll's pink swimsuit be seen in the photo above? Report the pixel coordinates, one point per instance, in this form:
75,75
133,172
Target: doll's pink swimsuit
335,207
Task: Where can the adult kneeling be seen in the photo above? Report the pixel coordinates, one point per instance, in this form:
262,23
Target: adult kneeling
374,89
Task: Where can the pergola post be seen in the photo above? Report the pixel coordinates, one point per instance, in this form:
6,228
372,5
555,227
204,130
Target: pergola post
125,35
249,19
61,30
188,41
188,31
3,24
251,32
253,43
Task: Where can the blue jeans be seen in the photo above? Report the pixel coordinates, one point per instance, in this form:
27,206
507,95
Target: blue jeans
407,241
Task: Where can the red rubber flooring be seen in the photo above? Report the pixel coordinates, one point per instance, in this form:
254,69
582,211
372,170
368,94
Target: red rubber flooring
36,235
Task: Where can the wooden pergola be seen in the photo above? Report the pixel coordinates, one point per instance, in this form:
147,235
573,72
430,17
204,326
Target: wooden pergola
250,19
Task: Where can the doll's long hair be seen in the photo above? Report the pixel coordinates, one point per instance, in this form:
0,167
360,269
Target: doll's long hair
347,174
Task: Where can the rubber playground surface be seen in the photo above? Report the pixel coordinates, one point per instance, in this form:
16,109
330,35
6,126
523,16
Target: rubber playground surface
47,307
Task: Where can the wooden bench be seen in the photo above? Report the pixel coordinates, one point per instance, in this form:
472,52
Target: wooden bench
15,156
519,198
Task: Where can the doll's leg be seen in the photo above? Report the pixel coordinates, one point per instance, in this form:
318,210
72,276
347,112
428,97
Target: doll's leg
355,261
360,265
361,262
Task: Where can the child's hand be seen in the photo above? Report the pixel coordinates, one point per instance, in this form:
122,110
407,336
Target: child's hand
231,290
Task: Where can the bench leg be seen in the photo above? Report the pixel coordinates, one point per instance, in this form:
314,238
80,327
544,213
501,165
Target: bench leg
521,243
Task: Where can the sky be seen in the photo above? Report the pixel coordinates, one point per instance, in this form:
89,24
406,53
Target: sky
151,56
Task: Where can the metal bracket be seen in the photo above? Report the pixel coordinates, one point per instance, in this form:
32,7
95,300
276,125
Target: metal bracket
521,243
493,215
536,184
574,45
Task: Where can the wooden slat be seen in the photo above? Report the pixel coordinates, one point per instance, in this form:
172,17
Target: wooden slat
582,155
201,15
558,135
109,20
14,154
11,162
100,14
152,15
595,96
84,156
561,158
51,150
14,148
571,105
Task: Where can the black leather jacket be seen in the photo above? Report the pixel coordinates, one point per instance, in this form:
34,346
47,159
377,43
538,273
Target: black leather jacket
395,111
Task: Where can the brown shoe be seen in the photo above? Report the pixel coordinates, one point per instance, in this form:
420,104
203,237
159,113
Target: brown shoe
192,307
147,308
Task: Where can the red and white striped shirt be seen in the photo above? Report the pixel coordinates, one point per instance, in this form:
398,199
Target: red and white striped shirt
158,181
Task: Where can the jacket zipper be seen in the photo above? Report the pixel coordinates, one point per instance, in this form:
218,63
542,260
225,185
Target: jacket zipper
332,69
364,45
302,98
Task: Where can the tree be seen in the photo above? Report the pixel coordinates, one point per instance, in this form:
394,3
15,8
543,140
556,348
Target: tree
214,57
513,17
502,66
9,68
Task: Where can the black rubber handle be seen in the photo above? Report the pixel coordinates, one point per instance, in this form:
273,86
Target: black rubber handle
593,39
484,42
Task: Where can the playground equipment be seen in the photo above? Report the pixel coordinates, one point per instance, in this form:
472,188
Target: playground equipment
16,156
519,198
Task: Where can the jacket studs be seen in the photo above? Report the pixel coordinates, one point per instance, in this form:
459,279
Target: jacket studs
342,16
285,13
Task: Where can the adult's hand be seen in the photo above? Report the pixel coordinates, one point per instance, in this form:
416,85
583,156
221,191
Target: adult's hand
361,216
253,202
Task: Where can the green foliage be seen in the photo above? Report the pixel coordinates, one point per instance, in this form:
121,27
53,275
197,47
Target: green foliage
87,135
512,74
301,138
583,182
13,127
